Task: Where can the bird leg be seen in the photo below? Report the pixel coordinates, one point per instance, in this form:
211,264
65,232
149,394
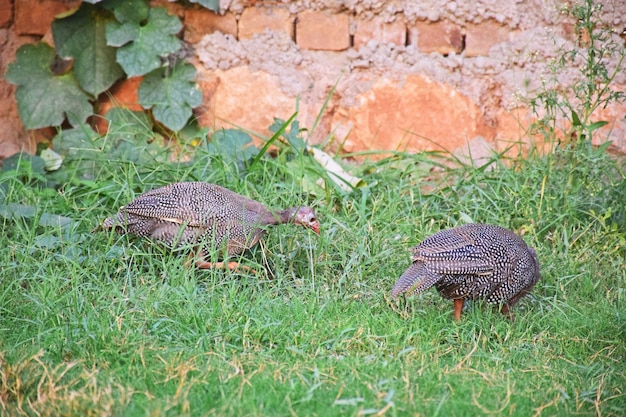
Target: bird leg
458,307
203,264
506,312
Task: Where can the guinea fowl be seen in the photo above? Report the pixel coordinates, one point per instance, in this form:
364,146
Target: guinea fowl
470,262
205,216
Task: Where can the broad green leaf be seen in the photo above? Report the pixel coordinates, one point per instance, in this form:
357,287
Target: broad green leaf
293,136
23,160
81,36
172,97
129,15
144,45
119,34
31,61
234,146
44,99
126,11
208,4
18,211
15,210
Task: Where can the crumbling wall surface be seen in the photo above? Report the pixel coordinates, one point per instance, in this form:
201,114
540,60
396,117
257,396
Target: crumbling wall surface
12,136
427,90
369,75
514,13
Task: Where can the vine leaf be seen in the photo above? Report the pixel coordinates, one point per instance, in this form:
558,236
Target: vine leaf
142,44
172,97
128,11
208,4
81,36
45,99
129,15
234,146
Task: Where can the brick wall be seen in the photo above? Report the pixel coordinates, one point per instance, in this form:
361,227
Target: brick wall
406,74
310,29
332,31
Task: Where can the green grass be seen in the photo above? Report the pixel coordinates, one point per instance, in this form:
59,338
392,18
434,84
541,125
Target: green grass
92,323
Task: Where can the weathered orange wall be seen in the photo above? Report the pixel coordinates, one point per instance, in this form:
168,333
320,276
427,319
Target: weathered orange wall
398,75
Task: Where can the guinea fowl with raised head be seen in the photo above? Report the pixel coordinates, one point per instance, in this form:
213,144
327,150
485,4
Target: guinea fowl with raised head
205,216
473,261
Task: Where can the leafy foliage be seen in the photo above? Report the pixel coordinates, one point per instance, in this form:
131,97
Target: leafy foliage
171,94
81,36
143,45
130,141
569,112
45,99
131,12
103,41
233,146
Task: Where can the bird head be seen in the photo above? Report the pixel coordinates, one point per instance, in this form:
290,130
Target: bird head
305,217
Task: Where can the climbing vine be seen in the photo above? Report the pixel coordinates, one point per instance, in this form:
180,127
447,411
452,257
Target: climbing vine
96,45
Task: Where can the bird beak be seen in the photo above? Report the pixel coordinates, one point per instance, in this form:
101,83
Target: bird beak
316,229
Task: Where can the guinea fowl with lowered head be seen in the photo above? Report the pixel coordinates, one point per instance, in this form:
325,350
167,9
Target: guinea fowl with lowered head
205,216
470,262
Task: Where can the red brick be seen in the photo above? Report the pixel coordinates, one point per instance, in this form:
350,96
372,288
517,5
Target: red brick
257,19
323,30
443,37
480,38
34,17
200,22
6,13
379,30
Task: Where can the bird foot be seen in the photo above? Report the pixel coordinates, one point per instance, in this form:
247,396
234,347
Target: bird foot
202,264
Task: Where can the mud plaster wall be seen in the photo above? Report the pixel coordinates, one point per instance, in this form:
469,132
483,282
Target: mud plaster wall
417,74
396,75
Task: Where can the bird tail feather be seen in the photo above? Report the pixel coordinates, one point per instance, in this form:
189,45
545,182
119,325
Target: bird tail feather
415,279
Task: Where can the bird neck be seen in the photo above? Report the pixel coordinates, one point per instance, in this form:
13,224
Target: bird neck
280,216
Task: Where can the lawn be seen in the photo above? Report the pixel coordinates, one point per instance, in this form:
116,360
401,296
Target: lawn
92,323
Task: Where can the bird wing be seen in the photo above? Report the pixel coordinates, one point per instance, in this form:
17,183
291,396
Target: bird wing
452,252
165,207
195,204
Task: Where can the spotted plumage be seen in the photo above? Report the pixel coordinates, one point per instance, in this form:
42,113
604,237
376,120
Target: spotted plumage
204,215
470,262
